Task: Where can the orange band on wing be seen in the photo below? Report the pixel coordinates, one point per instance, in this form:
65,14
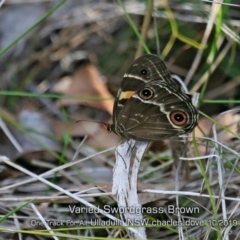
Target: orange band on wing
126,95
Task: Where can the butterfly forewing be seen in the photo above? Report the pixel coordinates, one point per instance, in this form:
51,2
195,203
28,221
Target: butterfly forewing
145,69
149,103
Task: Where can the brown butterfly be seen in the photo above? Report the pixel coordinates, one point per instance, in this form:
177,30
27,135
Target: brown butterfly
150,105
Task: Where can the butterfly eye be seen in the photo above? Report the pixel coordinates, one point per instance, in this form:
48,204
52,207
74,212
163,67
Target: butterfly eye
146,93
144,72
178,118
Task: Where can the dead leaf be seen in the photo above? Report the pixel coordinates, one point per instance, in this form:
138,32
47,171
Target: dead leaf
97,134
86,82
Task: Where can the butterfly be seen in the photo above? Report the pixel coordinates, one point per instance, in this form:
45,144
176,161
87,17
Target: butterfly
150,105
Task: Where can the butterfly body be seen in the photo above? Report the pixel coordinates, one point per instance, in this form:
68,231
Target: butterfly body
150,105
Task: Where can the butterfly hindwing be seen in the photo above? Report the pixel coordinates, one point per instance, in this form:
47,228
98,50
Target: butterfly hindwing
150,105
150,119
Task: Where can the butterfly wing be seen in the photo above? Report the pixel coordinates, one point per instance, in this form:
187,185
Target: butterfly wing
150,119
153,119
145,69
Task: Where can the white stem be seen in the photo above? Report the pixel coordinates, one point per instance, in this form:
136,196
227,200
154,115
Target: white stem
125,185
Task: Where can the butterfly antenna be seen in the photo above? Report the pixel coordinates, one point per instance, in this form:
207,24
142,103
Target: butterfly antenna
106,124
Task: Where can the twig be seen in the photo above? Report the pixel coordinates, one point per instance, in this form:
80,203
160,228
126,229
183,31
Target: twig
125,185
209,27
10,136
145,27
1,3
